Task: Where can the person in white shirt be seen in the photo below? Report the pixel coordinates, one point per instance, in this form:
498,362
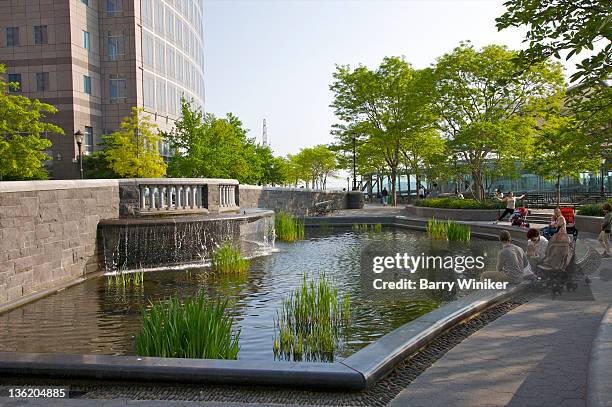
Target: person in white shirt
510,201
536,244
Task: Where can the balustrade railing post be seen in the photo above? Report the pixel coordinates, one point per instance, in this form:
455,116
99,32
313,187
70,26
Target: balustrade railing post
179,200
143,197
163,198
194,191
152,197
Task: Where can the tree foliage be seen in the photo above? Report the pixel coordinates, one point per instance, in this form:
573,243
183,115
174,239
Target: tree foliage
313,165
555,26
133,150
23,129
382,107
488,105
207,146
561,150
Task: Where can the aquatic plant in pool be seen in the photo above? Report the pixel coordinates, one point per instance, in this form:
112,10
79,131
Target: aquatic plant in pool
310,321
197,328
228,259
358,227
449,230
288,227
123,279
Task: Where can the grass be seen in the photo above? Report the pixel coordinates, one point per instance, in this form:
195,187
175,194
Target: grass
310,321
288,228
455,203
449,230
228,259
198,328
122,279
363,227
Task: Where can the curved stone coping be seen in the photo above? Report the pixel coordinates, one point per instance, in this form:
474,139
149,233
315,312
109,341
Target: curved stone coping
379,358
237,372
250,214
455,214
591,224
172,181
599,381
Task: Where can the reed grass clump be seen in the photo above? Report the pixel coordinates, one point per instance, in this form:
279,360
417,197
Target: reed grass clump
228,259
123,279
364,227
310,322
449,230
288,228
198,328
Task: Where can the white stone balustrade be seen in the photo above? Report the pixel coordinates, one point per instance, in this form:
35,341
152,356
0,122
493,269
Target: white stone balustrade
227,196
171,197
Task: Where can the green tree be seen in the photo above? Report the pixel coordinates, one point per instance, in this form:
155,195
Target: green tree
313,165
555,26
384,106
424,151
133,150
561,150
23,129
488,106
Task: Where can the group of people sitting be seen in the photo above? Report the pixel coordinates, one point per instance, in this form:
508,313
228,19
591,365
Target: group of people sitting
548,251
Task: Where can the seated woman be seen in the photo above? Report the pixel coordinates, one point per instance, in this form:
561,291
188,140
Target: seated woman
559,247
556,221
536,244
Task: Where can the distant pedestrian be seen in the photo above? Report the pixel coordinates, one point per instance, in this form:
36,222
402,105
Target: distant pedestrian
510,201
606,227
385,196
421,192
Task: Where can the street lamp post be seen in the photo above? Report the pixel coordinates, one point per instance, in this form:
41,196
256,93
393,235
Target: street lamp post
78,137
354,163
602,188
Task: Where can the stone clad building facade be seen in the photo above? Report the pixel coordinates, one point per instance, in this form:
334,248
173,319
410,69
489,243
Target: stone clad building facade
96,59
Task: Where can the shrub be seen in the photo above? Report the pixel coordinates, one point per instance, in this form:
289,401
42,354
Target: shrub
228,259
288,228
591,210
310,322
454,203
199,328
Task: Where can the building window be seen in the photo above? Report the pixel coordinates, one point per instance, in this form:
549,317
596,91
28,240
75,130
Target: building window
159,56
149,90
148,49
169,25
40,34
118,90
86,2
86,42
88,140
170,61
179,67
12,36
42,81
87,84
114,6
116,46
178,32
147,12
15,79
159,17
160,95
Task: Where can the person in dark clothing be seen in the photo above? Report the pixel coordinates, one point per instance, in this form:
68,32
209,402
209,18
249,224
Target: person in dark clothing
384,195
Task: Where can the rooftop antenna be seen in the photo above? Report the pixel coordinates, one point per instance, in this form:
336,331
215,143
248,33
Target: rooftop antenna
264,135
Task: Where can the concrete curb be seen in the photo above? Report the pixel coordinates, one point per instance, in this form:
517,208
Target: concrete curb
455,214
599,380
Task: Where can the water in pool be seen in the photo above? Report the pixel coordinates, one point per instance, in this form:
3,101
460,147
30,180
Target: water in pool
97,318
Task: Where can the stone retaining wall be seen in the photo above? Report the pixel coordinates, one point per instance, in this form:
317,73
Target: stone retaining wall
590,224
48,232
455,214
298,201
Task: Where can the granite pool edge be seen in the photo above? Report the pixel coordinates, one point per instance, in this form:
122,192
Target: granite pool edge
357,372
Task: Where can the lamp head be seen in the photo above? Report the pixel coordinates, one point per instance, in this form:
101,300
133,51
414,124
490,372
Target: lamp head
78,136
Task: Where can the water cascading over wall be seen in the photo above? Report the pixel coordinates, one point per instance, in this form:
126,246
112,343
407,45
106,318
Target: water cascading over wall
180,240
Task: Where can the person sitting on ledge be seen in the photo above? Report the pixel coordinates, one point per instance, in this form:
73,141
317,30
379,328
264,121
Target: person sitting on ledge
512,260
536,244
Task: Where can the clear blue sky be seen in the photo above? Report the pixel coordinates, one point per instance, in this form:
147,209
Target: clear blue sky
274,59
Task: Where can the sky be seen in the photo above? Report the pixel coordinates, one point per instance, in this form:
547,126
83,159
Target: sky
274,59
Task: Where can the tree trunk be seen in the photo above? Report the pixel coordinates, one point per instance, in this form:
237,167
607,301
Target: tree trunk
408,181
393,185
477,188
